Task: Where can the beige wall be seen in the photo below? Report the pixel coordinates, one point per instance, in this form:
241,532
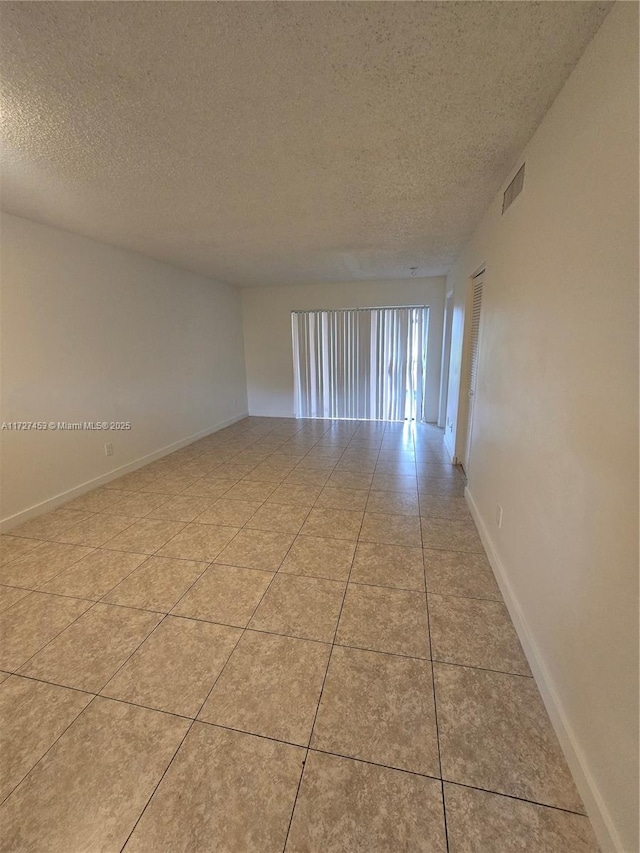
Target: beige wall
555,437
90,332
267,332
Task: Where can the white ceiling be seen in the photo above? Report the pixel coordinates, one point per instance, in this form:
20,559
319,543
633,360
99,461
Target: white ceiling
277,142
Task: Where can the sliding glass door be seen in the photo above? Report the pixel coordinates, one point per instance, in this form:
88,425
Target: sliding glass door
365,363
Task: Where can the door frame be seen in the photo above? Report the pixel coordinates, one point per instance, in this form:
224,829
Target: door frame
446,359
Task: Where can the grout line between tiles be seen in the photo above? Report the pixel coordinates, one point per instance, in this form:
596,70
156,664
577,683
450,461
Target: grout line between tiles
236,450
435,700
280,740
324,680
195,719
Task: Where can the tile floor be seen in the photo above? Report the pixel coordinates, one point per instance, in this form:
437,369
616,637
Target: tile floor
285,636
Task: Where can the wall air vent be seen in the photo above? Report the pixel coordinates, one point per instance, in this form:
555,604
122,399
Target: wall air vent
514,189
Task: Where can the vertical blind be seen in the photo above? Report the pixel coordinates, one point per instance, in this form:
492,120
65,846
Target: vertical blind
363,363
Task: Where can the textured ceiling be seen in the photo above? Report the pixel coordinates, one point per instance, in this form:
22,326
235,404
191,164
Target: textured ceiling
277,142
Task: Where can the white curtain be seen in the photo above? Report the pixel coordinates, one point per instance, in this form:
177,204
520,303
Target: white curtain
363,363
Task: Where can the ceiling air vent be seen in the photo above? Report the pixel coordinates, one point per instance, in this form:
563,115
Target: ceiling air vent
514,189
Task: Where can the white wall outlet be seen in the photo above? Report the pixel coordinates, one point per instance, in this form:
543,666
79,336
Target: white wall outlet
108,449
499,516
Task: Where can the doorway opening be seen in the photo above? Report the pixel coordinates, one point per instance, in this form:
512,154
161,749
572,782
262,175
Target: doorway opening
361,363
471,364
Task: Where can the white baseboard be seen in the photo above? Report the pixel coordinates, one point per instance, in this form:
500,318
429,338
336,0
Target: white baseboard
12,521
603,826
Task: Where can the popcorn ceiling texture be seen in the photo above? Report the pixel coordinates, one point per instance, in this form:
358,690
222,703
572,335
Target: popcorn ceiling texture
274,143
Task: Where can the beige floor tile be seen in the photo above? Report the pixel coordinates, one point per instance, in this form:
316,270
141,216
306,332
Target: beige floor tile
285,460
361,464
145,536
171,484
297,494
439,470
300,607
97,530
87,653
12,547
317,463
210,487
250,491
284,518
94,575
379,708
225,791
392,466
157,584
96,501
392,452
196,468
133,481
225,594
395,503
350,480
385,620
349,499
265,473
391,529
478,821
451,535
257,549
49,525
495,734
307,477
137,504
325,451
107,764
459,573
175,668
198,542
319,557
349,805
235,469
432,452
181,508
38,565
433,487
388,565
33,715
9,595
31,623
394,483
162,467
251,456
333,523
270,686
478,633
444,507
229,513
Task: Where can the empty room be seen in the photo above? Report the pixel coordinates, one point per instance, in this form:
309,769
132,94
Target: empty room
319,427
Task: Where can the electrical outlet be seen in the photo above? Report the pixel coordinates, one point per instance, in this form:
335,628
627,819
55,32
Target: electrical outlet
499,516
108,449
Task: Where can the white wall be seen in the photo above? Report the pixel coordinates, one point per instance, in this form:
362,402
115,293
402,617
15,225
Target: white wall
267,332
90,332
555,437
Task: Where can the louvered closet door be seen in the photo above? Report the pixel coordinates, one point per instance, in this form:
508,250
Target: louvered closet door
472,363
